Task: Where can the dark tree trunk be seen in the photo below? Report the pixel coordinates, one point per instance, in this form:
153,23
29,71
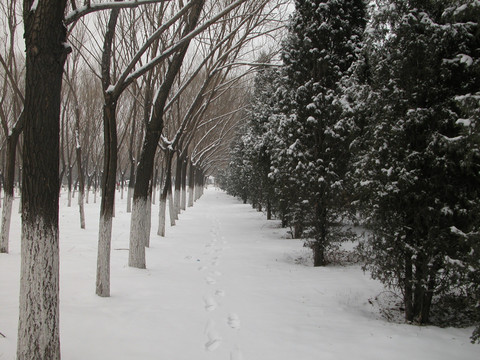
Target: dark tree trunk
9,185
45,37
69,185
178,185
191,184
408,293
109,175
320,241
81,184
108,198
184,184
154,185
164,194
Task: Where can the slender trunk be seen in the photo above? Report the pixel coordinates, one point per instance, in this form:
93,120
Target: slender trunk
95,186
161,214
178,186
427,301
408,293
171,207
154,185
6,221
131,185
69,184
183,204
45,38
122,182
108,199
320,241
75,184
164,195
269,210
81,184
196,189
9,182
191,185
148,226
139,233
89,184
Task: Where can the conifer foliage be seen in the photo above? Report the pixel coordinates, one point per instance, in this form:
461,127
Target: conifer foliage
421,184
381,117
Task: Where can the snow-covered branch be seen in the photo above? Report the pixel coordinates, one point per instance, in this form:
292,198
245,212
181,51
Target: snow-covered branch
77,13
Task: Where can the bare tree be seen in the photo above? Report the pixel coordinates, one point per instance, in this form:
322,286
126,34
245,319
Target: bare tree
46,52
12,120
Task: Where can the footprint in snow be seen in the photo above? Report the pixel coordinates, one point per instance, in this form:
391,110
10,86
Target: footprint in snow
210,304
210,280
213,344
215,273
202,268
220,293
214,340
233,321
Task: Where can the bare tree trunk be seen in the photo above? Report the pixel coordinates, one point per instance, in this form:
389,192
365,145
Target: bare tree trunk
178,186
81,179
183,204
109,165
69,184
171,206
9,181
45,38
164,195
131,185
154,185
191,184
108,200
122,183
161,214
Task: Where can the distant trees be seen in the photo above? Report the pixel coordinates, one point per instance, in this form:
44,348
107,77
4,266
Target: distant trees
384,122
302,141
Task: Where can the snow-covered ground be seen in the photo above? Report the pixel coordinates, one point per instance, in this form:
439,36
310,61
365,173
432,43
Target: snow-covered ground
224,284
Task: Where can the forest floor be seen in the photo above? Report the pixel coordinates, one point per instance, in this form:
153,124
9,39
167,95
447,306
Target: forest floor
224,283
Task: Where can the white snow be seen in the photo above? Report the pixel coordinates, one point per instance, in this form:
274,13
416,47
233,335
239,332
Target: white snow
464,122
465,59
223,284
34,6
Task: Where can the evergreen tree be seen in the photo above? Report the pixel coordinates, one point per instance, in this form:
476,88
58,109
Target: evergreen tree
313,138
420,172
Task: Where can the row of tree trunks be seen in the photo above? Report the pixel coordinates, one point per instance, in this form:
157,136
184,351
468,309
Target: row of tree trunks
152,136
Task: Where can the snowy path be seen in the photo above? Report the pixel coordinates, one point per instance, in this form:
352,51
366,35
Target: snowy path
224,284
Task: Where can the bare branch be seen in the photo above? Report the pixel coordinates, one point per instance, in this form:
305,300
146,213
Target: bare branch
76,14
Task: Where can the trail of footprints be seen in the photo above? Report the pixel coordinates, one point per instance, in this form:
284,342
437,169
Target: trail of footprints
211,302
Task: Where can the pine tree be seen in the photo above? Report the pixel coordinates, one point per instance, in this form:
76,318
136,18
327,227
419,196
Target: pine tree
313,138
420,170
